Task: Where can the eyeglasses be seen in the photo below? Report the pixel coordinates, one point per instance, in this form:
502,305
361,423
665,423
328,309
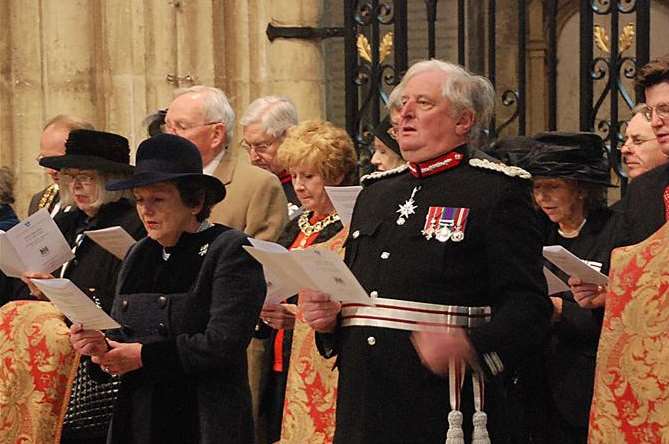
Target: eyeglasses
635,141
82,178
259,148
179,127
661,111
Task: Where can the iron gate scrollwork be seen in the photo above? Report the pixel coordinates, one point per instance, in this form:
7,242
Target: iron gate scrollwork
371,27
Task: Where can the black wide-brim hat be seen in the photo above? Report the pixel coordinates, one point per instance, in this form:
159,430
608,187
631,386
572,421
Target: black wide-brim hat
92,150
166,157
382,132
579,156
513,151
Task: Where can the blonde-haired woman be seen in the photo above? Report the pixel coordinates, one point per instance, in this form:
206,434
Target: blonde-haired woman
317,154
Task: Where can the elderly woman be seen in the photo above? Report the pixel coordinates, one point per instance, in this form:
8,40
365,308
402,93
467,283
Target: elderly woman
188,297
316,154
570,178
91,159
387,153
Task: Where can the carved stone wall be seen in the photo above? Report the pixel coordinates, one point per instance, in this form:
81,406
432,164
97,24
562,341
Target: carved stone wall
115,61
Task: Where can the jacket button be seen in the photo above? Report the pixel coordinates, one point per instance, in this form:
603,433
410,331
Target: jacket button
124,305
374,294
162,301
162,329
371,340
355,234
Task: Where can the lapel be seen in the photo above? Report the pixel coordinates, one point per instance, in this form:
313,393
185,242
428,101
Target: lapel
226,169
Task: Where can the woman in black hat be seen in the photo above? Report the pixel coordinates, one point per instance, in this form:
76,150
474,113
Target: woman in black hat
387,153
571,174
188,296
91,159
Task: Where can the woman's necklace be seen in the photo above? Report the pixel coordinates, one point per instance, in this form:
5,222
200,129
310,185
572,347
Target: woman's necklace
574,233
308,229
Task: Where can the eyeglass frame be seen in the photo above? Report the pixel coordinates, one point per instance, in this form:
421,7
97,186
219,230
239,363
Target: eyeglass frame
648,110
254,146
91,178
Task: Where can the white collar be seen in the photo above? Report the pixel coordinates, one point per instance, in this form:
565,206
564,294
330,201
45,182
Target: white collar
211,166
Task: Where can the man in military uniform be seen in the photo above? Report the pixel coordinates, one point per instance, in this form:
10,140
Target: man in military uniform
448,245
52,143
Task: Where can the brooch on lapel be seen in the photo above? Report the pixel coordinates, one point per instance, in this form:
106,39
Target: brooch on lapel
203,249
445,223
407,208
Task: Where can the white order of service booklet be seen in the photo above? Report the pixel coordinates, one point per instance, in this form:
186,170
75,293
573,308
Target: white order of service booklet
34,245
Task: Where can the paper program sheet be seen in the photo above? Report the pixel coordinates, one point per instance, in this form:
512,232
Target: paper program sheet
33,245
343,199
555,284
323,270
113,239
573,266
74,304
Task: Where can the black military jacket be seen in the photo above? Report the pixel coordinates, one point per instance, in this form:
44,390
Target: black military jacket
385,394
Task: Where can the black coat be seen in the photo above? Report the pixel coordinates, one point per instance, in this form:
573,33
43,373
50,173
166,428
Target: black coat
93,268
385,394
571,353
195,314
642,210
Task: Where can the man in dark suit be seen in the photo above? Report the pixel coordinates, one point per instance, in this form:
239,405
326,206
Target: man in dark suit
447,247
645,206
264,127
52,143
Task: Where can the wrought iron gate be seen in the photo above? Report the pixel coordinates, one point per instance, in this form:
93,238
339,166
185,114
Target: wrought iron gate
369,77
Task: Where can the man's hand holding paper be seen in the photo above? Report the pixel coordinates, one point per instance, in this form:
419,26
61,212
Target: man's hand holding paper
320,311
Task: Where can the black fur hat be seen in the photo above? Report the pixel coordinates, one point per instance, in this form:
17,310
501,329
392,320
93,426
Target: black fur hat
92,150
579,156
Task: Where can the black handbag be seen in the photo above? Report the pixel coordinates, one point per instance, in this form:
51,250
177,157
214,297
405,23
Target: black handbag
91,405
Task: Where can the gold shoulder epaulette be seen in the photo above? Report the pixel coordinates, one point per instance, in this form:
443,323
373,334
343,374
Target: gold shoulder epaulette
371,177
511,171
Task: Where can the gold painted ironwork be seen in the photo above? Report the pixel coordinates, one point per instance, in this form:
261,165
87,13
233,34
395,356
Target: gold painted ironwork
625,38
177,80
365,49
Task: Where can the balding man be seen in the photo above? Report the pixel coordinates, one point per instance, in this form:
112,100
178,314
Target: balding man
52,143
254,201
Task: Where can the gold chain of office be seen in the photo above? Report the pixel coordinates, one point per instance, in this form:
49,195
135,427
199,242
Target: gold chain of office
309,229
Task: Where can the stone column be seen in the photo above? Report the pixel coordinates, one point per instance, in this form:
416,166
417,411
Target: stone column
296,65
537,82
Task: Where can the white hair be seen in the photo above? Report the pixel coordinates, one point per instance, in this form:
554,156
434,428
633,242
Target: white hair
215,106
462,89
275,114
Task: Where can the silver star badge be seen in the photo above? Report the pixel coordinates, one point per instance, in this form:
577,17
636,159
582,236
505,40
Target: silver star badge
407,208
